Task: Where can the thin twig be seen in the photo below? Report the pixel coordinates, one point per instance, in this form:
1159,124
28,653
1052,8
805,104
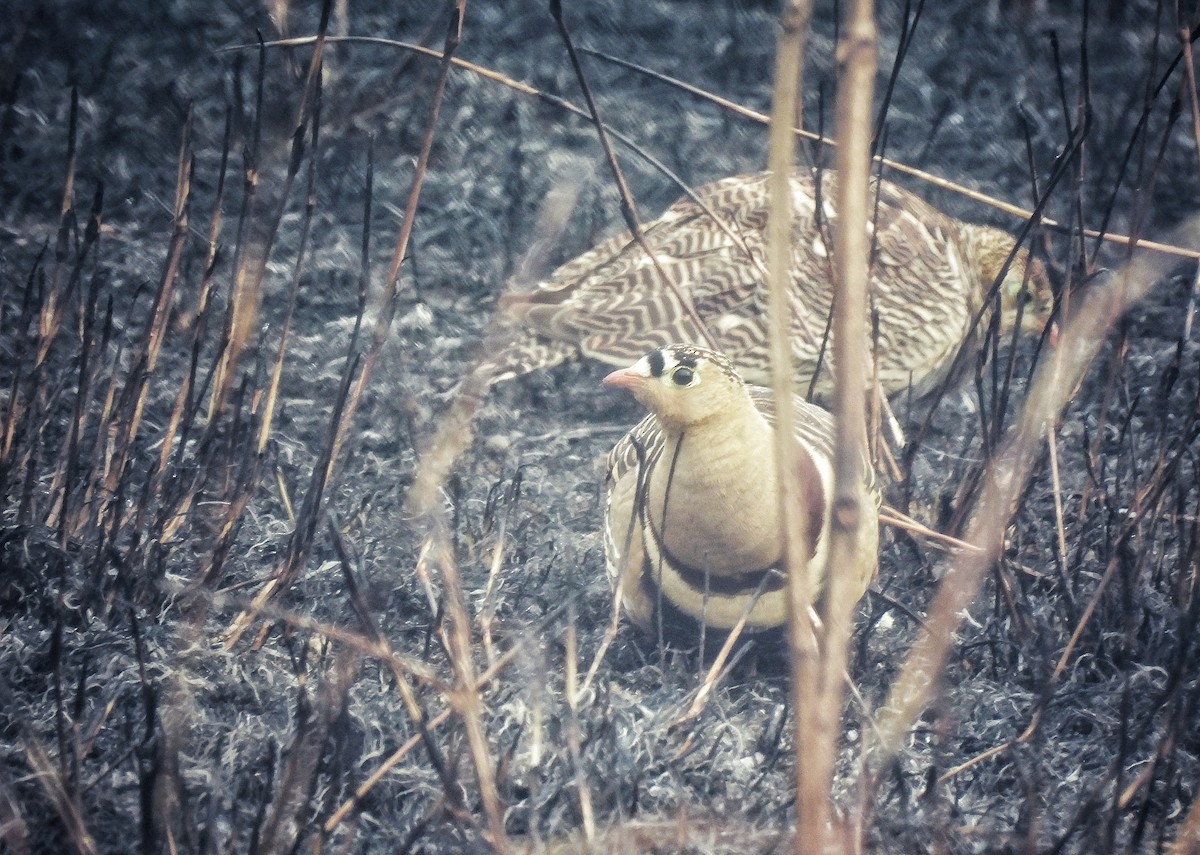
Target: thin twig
1055,380
465,697
628,211
912,171
745,112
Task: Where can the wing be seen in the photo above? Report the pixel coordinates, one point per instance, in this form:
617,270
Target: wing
813,427
628,465
615,301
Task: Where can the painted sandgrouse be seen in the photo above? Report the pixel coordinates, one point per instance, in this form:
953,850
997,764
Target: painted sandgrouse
692,516
931,275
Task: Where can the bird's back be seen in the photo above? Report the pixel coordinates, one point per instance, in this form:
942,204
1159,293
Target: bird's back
614,303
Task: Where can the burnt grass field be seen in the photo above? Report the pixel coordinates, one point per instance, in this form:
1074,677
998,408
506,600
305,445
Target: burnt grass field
221,631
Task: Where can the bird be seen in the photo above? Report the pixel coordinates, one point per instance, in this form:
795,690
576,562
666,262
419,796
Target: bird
931,275
693,531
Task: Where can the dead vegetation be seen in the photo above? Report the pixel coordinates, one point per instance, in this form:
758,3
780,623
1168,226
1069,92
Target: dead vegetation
235,286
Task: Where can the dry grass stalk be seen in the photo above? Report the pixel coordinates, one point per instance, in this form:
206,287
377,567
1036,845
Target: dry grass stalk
156,326
487,611
1189,65
857,60
310,204
256,233
465,697
1060,529
613,626
718,668
891,517
197,325
573,740
60,796
811,796
13,830
64,483
50,317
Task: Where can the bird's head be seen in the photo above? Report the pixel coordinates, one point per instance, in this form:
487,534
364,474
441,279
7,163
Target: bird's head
1026,297
683,385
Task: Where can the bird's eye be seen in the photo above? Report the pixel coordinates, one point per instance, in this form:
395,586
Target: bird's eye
1015,290
682,376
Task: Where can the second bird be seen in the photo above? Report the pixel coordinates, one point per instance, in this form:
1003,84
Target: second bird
930,276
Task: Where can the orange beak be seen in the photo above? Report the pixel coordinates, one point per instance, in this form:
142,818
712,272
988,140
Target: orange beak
624,378
1052,335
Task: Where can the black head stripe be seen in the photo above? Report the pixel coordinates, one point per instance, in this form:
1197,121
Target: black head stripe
657,362
691,356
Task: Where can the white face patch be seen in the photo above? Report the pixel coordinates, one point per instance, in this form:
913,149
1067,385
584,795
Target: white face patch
642,367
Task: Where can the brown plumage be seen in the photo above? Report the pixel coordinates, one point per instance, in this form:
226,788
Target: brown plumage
692,515
930,276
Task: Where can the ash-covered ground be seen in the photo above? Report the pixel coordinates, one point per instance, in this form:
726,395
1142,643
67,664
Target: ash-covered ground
129,723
